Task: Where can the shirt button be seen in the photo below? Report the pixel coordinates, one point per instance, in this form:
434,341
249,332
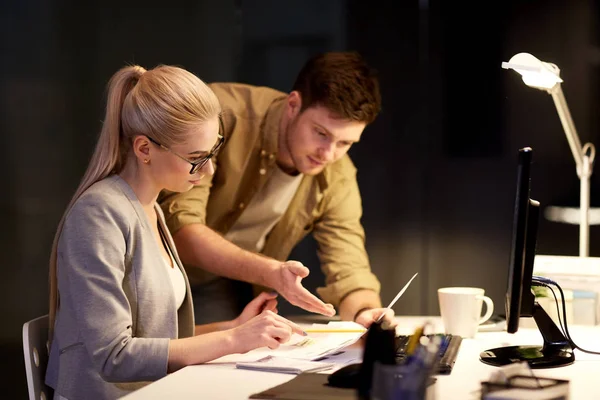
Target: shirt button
241,206
271,156
263,153
262,171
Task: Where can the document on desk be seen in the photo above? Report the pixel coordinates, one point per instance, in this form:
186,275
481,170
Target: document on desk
285,365
322,340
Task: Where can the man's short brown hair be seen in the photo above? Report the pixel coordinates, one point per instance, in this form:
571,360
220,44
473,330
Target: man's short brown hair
341,82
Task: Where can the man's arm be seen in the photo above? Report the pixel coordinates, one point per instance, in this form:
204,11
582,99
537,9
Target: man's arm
364,307
359,300
200,246
350,283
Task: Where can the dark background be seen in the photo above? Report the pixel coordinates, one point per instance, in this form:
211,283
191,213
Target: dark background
437,168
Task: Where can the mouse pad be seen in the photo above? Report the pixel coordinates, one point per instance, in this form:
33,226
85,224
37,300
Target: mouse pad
307,386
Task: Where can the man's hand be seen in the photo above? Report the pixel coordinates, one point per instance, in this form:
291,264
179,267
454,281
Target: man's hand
368,316
288,283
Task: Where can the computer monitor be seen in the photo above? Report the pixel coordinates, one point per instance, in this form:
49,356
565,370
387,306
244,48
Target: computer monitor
520,301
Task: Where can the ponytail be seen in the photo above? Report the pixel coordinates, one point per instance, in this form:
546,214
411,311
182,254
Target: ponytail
165,103
109,157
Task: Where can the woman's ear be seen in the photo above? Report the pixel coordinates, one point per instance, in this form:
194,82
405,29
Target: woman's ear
142,148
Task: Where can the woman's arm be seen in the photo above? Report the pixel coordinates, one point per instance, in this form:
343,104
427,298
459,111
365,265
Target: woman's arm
265,330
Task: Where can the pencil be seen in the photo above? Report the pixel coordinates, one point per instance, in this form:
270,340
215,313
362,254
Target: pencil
335,330
414,340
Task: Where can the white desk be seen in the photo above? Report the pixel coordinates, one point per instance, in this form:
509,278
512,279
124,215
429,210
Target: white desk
227,382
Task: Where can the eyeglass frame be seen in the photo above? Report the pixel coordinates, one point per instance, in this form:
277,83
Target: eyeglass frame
200,163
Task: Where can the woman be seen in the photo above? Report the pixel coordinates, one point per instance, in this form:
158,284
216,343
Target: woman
120,305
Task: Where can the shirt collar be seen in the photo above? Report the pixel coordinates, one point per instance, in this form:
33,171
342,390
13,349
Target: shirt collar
270,129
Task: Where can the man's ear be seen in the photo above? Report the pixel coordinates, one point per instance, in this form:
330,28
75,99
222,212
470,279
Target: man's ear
294,104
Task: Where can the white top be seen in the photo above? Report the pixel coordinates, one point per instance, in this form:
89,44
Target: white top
177,281
264,211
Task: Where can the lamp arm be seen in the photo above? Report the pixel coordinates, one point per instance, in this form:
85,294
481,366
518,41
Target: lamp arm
584,160
568,125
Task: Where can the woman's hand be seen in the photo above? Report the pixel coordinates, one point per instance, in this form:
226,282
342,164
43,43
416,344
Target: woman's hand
266,301
263,302
266,329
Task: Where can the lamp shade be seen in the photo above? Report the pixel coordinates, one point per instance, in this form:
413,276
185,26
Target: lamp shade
535,73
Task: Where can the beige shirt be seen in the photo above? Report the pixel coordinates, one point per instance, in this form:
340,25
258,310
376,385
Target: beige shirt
328,204
263,212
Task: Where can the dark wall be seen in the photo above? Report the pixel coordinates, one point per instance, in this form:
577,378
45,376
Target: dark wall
436,169
56,60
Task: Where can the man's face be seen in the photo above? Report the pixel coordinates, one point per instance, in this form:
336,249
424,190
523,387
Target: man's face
316,137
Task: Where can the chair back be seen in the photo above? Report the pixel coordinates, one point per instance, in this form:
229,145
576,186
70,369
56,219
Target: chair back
36,350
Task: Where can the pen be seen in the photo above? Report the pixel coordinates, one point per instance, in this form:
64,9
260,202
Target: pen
414,340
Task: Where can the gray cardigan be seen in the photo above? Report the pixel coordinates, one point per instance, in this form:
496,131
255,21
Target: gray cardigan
117,308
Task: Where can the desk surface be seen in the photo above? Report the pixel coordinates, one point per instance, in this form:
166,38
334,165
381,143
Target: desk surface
226,382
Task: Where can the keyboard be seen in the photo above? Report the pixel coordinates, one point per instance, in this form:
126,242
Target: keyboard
447,353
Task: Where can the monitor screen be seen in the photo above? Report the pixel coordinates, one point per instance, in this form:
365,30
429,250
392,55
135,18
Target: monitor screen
520,300
519,297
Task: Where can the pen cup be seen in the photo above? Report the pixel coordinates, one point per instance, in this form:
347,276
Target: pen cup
404,382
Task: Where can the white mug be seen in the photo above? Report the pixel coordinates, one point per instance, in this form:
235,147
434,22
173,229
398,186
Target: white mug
461,309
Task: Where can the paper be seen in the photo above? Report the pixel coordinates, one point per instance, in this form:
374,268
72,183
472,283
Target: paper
400,293
317,345
285,365
309,348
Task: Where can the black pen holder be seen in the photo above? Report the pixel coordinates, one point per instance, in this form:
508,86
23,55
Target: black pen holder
380,346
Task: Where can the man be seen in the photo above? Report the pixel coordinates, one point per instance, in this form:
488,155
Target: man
282,173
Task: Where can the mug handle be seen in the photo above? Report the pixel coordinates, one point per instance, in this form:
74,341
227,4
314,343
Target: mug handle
489,308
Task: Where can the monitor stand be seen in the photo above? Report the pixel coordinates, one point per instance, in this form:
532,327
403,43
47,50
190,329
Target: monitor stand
555,352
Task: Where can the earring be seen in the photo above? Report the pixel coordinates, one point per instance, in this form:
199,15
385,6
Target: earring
146,161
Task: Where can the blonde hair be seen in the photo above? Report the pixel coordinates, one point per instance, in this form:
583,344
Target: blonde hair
164,103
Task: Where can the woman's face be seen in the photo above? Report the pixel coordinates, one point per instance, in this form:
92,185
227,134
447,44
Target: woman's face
174,165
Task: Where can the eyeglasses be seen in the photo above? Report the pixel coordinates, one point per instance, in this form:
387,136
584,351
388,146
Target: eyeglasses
199,163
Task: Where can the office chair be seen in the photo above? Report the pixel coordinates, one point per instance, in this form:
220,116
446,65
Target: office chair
36,351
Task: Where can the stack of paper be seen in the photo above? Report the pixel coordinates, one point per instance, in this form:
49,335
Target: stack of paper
285,365
322,340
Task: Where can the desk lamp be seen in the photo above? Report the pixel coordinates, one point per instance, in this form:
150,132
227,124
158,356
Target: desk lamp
546,76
